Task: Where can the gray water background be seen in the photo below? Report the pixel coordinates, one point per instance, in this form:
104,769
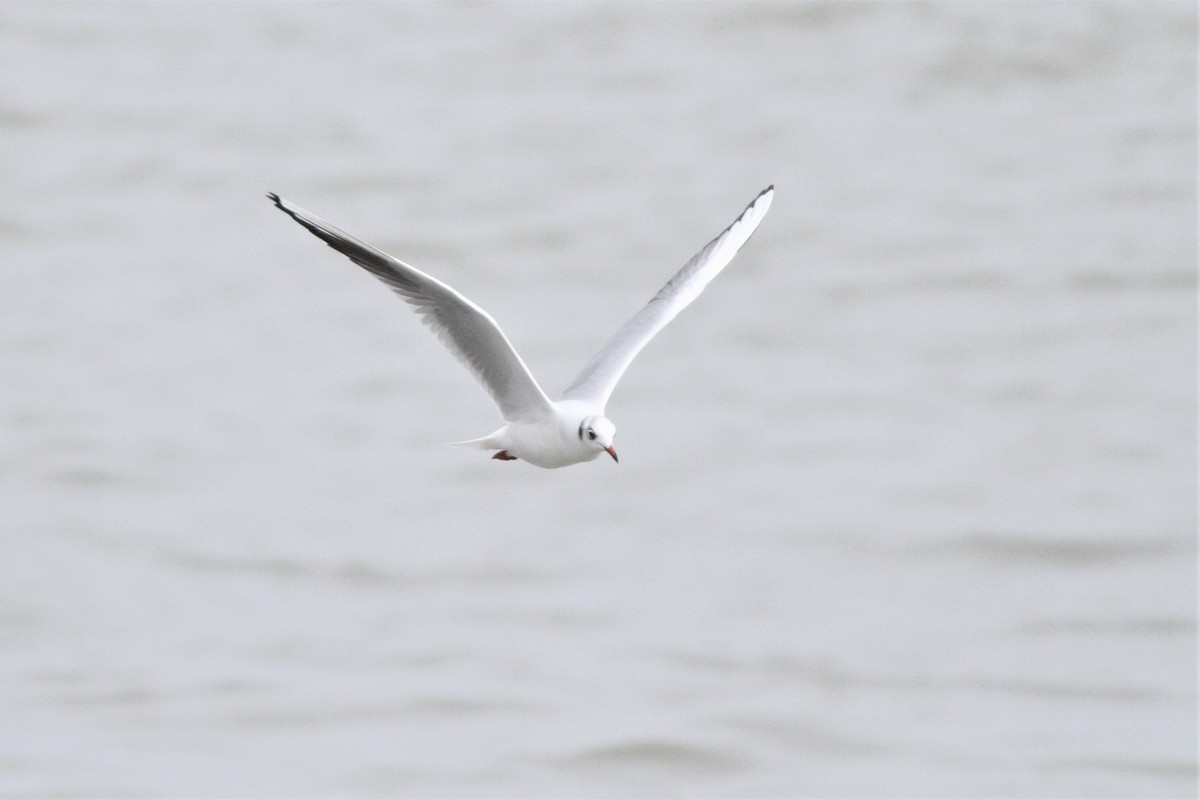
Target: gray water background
907,500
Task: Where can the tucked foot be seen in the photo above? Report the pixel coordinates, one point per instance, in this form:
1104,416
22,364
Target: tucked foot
504,456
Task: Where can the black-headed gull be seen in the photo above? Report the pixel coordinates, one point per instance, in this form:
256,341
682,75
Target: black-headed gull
543,432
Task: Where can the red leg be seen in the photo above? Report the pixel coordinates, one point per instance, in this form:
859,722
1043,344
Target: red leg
504,456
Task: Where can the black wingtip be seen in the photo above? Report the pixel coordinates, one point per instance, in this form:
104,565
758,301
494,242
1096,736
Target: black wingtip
274,198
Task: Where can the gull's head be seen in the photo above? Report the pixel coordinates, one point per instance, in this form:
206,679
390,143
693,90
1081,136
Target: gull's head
598,432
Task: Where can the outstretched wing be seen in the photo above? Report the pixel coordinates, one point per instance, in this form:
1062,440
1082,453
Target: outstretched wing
599,377
466,329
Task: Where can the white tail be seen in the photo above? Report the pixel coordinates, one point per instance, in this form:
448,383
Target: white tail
483,443
478,444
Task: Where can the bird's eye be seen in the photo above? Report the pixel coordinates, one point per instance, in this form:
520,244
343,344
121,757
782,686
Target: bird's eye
592,435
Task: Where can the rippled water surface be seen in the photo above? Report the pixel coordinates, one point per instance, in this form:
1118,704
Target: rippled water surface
906,504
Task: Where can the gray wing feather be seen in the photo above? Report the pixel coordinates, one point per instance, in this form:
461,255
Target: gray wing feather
599,377
467,330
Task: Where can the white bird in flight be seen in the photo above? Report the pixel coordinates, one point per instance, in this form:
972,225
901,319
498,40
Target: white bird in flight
543,432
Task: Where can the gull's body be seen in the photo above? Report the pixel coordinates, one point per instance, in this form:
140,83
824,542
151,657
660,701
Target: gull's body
538,430
554,441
